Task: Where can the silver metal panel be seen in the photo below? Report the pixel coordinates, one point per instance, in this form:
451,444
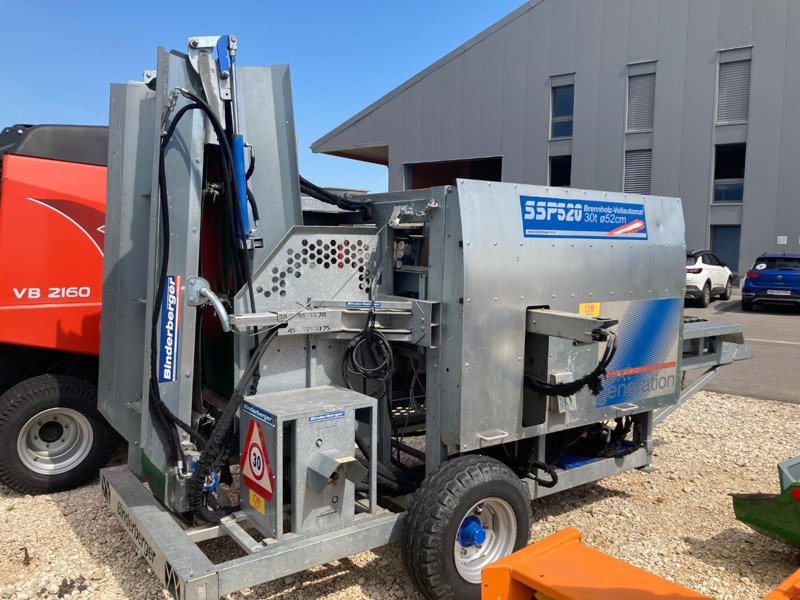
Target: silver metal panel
182,165
594,471
312,430
309,263
265,97
124,319
505,273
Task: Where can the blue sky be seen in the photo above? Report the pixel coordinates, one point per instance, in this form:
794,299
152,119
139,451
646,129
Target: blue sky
61,56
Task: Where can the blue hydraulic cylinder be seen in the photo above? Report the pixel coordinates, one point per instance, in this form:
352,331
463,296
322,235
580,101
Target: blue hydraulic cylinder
240,174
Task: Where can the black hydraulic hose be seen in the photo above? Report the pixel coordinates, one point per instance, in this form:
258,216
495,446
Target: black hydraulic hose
214,455
228,159
323,195
593,380
551,473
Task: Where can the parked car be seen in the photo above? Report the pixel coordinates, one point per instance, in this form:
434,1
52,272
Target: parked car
707,276
774,278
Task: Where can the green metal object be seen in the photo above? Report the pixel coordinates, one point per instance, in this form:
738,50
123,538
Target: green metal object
775,515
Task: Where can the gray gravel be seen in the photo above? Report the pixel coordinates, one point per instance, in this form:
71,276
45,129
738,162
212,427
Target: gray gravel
676,522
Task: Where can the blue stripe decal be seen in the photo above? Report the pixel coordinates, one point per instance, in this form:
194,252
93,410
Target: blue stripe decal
647,335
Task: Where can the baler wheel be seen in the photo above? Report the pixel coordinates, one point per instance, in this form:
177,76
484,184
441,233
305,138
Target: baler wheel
52,438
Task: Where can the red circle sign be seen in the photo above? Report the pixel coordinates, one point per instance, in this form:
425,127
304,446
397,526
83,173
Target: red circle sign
256,459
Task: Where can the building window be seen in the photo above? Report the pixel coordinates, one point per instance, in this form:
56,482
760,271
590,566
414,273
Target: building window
560,170
729,162
563,103
641,102
638,167
733,94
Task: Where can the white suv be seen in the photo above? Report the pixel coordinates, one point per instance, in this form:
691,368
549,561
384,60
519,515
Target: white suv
707,276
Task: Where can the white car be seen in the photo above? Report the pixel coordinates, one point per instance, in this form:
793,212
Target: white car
707,276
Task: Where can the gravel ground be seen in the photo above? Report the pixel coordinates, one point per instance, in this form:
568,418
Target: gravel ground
677,522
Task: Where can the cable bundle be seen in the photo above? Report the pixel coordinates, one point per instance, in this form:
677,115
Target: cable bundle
593,380
313,190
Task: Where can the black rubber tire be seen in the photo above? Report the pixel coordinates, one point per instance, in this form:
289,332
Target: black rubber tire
705,296
747,306
32,396
726,295
434,516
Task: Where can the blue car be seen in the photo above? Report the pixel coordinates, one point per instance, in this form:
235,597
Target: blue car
774,278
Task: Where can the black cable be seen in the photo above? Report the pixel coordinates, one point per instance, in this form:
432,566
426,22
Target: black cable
214,454
323,195
593,380
535,465
354,361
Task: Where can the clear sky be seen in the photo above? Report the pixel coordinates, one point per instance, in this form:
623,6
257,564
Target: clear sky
61,56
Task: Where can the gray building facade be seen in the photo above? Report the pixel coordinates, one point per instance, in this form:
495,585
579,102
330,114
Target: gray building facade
692,98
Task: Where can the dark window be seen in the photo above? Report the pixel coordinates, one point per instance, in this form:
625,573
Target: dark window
560,170
691,259
729,162
777,262
425,175
712,260
563,104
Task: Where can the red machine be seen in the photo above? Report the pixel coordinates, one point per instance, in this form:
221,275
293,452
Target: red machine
52,203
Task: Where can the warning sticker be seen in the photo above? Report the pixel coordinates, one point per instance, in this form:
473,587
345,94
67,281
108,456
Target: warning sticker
256,468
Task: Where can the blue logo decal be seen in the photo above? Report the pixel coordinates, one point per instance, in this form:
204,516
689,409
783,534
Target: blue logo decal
339,414
591,219
170,332
259,414
362,304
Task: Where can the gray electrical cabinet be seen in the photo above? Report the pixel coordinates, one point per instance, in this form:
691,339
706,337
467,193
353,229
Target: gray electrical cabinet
305,438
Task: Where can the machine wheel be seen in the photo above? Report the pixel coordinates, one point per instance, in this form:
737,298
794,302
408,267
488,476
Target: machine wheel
726,295
705,296
52,437
467,514
747,306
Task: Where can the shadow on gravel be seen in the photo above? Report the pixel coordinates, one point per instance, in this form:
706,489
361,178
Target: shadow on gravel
761,559
563,502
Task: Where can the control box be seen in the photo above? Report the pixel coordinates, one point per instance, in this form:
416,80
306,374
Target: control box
306,440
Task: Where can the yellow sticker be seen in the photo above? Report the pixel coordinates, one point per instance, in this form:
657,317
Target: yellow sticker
256,501
590,309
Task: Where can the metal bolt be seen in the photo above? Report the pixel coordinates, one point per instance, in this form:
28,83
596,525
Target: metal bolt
478,509
224,75
194,43
463,552
318,443
187,374
334,500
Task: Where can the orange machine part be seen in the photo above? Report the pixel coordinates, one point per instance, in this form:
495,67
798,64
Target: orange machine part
52,216
561,567
788,590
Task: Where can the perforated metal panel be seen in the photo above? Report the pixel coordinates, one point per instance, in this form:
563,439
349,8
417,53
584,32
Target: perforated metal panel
733,96
341,260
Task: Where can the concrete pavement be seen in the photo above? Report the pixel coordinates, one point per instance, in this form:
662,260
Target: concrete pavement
773,334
